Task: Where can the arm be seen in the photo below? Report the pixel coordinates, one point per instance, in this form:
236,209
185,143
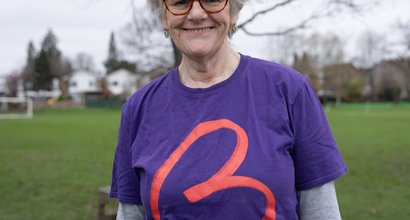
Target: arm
130,212
319,203
125,182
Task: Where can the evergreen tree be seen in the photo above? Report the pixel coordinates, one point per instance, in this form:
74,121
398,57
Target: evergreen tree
28,73
43,75
114,61
113,56
48,63
124,64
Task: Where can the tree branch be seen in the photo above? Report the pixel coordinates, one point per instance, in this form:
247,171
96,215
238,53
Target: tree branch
254,16
302,25
328,9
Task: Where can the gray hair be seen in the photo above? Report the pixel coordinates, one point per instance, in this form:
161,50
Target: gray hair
159,9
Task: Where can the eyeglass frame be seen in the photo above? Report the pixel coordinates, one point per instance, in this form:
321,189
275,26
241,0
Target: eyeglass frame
190,7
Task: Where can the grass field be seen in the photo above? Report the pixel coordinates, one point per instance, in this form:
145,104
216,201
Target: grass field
375,143
52,165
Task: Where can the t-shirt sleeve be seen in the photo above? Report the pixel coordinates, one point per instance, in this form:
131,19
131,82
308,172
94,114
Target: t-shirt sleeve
316,156
125,182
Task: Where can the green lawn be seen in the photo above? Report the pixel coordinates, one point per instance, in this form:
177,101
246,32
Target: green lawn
375,143
52,165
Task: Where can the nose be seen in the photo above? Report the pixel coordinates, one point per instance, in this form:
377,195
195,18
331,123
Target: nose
196,12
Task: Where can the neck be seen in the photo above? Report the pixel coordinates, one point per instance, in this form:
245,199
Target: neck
203,72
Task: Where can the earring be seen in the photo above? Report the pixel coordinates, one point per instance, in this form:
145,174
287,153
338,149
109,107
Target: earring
232,31
166,33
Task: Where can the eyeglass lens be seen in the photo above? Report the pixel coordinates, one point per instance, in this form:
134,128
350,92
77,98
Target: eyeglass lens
179,7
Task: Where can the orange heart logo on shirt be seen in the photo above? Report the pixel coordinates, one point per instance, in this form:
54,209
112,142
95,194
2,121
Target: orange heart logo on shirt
223,179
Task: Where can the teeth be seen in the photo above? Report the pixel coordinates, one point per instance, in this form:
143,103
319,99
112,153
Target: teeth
200,30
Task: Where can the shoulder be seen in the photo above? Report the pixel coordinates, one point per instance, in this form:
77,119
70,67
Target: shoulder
138,102
286,79
276,71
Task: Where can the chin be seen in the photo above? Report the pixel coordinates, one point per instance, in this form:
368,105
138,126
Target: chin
203,49
199,54
198,51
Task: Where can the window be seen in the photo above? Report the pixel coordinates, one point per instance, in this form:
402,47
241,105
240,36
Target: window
73,84
114,83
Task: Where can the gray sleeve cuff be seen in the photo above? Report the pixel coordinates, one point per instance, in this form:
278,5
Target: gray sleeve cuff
130,212
319,203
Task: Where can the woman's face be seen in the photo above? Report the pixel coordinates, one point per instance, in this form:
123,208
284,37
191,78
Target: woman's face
198,33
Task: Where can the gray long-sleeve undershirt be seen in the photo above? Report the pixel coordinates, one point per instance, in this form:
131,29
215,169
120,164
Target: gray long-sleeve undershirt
319,203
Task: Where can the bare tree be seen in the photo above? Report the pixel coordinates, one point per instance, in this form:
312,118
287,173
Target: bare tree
145,43
323,49
330,50
12,81
321,9
143,36
284,47
372,49
84,61
403,29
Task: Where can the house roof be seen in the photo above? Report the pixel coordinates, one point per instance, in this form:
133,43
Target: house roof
82,73
121,73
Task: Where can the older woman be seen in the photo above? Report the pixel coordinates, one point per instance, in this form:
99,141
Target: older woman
223,135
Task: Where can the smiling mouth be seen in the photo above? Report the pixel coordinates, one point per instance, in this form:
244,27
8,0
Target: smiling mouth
198,29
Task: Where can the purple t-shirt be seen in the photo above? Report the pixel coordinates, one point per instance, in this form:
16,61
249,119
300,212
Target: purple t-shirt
240,149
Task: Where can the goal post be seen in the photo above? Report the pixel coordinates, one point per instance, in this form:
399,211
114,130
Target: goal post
11,107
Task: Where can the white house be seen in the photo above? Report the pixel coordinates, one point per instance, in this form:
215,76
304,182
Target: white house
82,82
122,82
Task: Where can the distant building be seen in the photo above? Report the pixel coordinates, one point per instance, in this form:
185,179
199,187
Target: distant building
341,82
3,86
82,84
390,80
122,82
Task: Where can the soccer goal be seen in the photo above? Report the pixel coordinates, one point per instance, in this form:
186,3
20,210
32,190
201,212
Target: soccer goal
15,108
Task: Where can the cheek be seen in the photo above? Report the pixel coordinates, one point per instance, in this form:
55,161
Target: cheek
174,24
169,22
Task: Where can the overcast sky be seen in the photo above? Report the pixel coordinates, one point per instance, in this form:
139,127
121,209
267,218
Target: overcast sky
84,26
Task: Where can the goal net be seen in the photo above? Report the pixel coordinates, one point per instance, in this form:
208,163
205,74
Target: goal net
15,108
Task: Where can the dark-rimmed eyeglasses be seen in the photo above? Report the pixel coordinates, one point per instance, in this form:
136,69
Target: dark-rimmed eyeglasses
182,7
